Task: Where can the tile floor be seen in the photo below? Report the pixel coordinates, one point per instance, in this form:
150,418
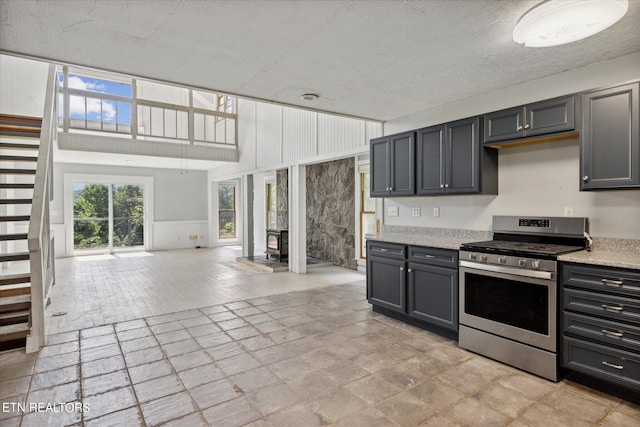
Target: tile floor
312,357
102,289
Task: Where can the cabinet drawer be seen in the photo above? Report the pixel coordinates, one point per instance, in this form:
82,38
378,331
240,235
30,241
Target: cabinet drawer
434,256
609,280
617,366
386,250
605,331
609,306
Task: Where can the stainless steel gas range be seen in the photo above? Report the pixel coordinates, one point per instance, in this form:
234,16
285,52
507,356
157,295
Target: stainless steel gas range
509,293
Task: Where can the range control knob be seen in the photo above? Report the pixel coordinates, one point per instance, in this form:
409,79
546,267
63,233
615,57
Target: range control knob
535,263
473,257
483,258
502,260
522,262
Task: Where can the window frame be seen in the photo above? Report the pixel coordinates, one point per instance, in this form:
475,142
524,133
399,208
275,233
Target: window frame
234,210
361,212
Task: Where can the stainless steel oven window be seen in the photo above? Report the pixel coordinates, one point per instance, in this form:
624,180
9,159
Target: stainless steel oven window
516,307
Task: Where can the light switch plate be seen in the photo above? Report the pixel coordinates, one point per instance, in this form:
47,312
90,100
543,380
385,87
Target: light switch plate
392,211
415,211
436,211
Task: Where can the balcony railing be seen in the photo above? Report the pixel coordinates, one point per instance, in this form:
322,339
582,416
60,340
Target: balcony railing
139,118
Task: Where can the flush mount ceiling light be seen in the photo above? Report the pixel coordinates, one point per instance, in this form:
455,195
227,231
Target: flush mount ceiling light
309,97
556,22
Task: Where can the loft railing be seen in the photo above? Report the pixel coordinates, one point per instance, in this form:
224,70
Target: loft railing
40,238
142,118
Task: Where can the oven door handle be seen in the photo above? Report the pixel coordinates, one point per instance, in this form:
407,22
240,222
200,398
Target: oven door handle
546,275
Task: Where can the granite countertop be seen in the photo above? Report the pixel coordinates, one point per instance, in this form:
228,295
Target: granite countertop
609,252
431,237
419,240
606,258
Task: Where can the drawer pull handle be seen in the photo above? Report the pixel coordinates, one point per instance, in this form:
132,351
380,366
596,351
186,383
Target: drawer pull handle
611,282
612,308
611,365
612,333
384,250
429,256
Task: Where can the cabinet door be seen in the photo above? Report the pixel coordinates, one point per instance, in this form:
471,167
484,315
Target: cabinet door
430,160
402,164
433,295
463,150
380,161
554,115
610,146
386,283
504,125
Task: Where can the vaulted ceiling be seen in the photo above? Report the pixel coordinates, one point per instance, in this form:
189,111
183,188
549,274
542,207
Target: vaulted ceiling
373,59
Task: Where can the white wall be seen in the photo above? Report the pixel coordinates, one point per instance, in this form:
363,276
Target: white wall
537,179
179,204
272,136
23,84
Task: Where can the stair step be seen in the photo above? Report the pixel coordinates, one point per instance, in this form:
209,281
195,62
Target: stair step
11,171
19,146
8,158
13,119
14,185
18,256
16,302
14,279
14,332
18,236
11,218
15,290
15,201
20,131
13,317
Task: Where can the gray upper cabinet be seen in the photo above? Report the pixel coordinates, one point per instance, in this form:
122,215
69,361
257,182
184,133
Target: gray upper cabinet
540,118
450,160
393,165
610,142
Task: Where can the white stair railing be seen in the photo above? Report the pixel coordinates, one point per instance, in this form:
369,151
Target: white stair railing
40,237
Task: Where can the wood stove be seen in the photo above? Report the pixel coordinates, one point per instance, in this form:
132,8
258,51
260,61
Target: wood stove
278,244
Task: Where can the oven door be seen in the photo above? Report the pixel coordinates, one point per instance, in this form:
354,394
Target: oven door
507,302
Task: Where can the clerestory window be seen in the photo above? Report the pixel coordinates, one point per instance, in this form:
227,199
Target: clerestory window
91,101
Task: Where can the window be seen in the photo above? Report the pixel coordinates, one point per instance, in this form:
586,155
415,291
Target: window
97,104
272,219
108,216
367,213
227,211
103,102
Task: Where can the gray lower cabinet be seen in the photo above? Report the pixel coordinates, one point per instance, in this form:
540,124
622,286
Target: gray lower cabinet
386,275
540,118
610,138
601,324
393,165
417,282
450,160
433,294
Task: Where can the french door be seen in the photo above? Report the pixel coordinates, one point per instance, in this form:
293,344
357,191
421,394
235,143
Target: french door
108,216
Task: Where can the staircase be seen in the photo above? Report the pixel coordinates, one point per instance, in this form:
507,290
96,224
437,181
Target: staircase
19,144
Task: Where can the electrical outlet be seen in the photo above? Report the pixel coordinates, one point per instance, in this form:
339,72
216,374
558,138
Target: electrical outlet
415,211
436,211
392,211
568,211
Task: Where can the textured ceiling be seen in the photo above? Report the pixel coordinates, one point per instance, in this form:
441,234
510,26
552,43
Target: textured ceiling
373,59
